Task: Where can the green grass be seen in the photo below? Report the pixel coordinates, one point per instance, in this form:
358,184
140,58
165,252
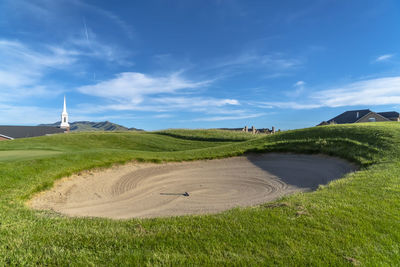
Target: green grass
14,155
354,220
138,141
209,135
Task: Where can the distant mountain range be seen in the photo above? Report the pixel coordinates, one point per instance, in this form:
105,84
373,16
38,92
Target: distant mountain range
80,126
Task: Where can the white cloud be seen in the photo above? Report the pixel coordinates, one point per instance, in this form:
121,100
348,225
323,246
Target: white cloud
230,102
12,78
380,91
25,72
132,87
286,105
224,118
266,65
276,75
280,62
167,104
87,44
384,57
27,115
163,116
133,91
299,89
50,10
126,28
78,34
192,102
22,69
251,59
15,54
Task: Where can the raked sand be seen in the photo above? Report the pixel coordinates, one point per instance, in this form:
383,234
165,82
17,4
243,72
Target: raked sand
146,190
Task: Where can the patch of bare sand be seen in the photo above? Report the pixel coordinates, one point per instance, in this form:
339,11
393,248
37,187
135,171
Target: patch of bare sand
158,190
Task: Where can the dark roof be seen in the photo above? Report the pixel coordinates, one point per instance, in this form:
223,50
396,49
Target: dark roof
350,116
389,114
28,131
5,136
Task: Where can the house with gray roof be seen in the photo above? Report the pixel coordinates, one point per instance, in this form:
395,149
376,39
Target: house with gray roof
15,132
362,115
391,115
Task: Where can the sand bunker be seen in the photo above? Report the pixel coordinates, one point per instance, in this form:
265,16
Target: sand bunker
157,190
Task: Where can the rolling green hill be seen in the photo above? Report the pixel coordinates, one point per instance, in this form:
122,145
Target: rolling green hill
351,221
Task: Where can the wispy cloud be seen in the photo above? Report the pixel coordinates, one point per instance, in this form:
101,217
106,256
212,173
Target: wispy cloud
384,57
225,118
141,92
133,86
80,34
52,10
87,44
299,88
253,59
263,65
126,28
25,71
163,116
207,105
86,30
22,69
304,12
38,9
381,91
27,115
186,102
372,92
16,53
299,84
286,105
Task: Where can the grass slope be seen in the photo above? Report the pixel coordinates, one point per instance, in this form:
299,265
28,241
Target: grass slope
14,155
351,221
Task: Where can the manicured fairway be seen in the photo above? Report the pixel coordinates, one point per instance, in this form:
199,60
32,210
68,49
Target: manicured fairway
14,155
351,221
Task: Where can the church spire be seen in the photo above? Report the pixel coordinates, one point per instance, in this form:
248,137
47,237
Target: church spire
64,116
65,106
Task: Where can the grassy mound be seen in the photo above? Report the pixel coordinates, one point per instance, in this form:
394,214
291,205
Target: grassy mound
14,155
351,221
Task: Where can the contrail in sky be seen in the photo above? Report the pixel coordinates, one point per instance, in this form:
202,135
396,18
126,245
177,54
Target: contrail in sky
86,31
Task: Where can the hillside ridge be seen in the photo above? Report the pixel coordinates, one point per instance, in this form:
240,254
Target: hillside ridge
79,126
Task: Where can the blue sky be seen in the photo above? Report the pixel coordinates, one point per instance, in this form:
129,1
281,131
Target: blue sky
197,64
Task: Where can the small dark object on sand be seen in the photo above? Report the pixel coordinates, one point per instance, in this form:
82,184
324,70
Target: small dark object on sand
186,194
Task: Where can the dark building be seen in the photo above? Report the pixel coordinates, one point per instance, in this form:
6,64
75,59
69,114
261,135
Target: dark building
362,115
391,115
14,132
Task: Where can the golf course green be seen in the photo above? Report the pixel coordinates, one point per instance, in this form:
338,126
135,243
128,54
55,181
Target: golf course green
350,221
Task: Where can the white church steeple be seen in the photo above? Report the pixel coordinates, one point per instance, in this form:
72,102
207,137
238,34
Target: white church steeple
64,117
